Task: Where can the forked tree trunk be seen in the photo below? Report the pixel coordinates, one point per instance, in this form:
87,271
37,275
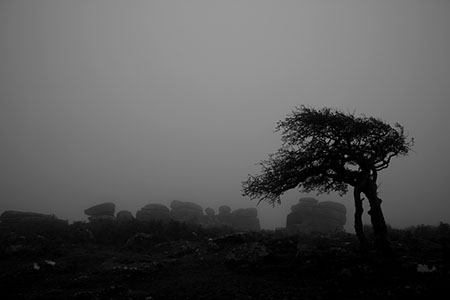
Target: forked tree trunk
359,229
377,219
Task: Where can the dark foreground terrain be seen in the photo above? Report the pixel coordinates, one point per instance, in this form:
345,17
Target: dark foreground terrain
175,261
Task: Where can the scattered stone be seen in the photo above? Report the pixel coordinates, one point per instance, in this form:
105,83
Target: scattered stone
422,268
248,254
232,239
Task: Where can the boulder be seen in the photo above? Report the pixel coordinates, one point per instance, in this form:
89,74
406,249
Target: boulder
176,204
210,212
245,219
156,207
101,218
245,212
248,254
186,212
309,215
224,210
103,209
124,216
141,241
11,216
153,212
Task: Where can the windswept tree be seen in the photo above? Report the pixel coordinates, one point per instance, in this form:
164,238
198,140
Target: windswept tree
326,150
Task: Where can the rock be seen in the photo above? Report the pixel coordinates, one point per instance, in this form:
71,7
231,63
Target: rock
153,212
309,215
188,212
232,239
183,248
210,212
245,212
11,216
156,207
124,216
176,204
248,254
141,241
245,219
103,209
224,210
224,217
102,218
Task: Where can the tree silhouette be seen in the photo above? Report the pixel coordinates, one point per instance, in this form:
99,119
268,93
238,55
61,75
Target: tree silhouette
326,150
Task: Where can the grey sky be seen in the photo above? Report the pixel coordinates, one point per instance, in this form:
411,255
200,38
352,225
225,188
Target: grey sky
150,101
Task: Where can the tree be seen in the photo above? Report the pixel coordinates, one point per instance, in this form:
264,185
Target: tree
327,150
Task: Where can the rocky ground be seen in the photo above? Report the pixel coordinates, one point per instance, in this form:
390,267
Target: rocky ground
202,265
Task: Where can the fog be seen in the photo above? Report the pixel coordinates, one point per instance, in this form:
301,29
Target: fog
149,101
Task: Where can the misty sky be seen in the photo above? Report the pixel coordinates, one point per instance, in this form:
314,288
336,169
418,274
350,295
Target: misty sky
149,101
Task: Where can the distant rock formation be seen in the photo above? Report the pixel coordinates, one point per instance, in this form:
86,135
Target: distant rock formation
188,212
241,219
224,215
310,215
245,219
101,212
153,212
210,212
11,217
124,216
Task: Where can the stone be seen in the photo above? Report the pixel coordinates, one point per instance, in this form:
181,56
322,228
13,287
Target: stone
248,254
176,204
310,215
188,212
140,241
11,216
103,209
232,239
101,218
224,217
153,212
245,219
245,212
124,216
156,207
210,212
224,210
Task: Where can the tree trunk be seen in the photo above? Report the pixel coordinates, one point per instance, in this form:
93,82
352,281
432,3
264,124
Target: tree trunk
358,219
377,219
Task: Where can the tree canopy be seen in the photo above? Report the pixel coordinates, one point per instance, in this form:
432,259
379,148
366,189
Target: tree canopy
326,150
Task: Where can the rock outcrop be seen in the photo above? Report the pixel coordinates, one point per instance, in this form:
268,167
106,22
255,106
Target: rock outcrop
101,212
310,215
103,209
153,212
12,216
245,219
210,212
124,216
242,219
224,215
188,212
